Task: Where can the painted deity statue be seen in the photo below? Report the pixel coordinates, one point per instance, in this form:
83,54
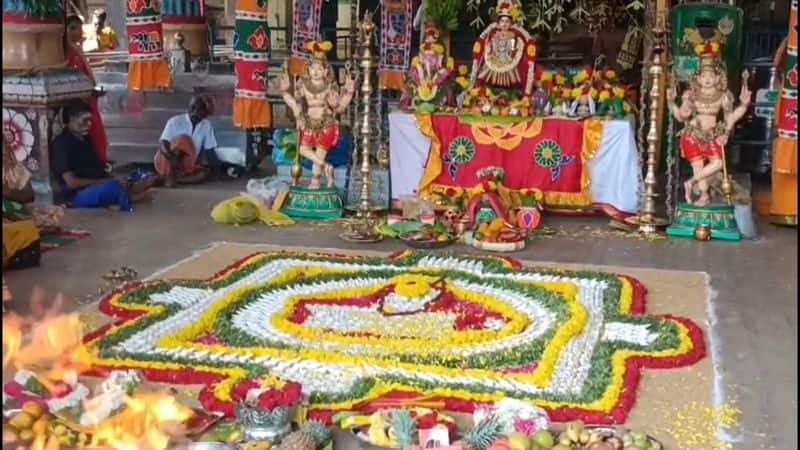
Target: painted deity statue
430,70
316,103
504,54
708,112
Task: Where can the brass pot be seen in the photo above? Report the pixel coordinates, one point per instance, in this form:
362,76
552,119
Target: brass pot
702,232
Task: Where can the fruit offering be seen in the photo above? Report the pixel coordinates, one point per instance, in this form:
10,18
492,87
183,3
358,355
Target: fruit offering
498,231
576,436
429,233
256,445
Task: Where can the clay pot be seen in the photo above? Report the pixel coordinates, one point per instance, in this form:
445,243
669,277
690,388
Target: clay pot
702,233
529,217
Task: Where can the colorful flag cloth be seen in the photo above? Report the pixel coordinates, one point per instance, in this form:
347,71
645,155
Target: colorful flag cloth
306,21
783,208
550,155
147,67
397,17
251,44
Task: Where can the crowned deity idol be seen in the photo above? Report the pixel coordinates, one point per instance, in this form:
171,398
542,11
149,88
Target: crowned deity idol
708,112
316,103
503,55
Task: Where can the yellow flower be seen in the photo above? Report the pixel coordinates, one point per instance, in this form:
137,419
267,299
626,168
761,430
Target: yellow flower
581,76
474,92
415,61
450,63
437,48
560,79
626,107
547,76
604,96
326,45
531,51
576,92
477,48
412,286
619,92
463,82
699,48
463,70
714,47
593,93
611,75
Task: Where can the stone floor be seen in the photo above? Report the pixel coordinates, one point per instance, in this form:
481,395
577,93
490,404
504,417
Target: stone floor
755,283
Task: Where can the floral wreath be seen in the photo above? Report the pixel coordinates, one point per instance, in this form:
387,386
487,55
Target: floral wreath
508,8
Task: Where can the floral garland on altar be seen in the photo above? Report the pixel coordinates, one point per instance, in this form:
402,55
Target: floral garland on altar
356,331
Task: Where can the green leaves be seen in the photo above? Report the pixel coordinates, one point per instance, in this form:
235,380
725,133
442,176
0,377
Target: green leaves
444,14
44,8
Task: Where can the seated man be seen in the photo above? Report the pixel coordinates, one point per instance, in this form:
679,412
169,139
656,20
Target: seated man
82,176
188,150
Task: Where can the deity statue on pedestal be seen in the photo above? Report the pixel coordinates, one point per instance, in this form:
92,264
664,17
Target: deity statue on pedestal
708,112
430,70
316,102
709,115
504,54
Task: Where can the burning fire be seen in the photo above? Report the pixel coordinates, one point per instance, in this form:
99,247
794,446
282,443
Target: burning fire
148,422
50,343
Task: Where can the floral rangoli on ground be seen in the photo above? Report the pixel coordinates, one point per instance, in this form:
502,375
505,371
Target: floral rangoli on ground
358,330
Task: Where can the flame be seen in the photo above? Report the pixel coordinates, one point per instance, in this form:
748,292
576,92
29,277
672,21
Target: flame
45,339
149,422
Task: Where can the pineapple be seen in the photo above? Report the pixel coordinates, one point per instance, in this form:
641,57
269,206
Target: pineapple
405,429
311,436
482,435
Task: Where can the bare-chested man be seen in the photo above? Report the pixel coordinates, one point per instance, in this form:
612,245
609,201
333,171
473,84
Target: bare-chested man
704,136
316,104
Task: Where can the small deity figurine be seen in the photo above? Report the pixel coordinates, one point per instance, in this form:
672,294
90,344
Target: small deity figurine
315,104
180,60
504,54
705,133
430,71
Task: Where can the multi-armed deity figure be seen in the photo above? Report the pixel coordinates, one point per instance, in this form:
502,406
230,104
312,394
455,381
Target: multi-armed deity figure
316,103
430,70
503,55
708,112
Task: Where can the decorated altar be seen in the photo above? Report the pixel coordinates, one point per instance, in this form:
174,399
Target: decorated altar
577,164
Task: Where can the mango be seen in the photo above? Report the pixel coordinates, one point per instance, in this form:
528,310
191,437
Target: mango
21,421
35,410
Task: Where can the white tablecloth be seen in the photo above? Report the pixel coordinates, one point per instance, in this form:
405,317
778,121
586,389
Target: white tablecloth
614,170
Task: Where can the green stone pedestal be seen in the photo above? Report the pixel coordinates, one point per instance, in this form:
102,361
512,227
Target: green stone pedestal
719,218
304,203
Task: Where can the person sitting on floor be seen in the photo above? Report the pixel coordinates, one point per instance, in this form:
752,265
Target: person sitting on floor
83,178
20,233
188,151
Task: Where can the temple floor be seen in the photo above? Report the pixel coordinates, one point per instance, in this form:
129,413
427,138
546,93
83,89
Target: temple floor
753,339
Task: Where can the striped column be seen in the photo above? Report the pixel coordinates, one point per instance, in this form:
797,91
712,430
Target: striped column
251,44
148,69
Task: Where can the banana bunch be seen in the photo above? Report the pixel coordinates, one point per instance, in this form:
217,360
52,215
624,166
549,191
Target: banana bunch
69,437
576,435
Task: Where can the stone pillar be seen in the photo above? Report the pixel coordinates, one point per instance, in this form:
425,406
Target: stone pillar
36,85
188,18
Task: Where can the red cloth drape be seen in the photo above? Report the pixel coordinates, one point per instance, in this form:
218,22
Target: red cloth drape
97,134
